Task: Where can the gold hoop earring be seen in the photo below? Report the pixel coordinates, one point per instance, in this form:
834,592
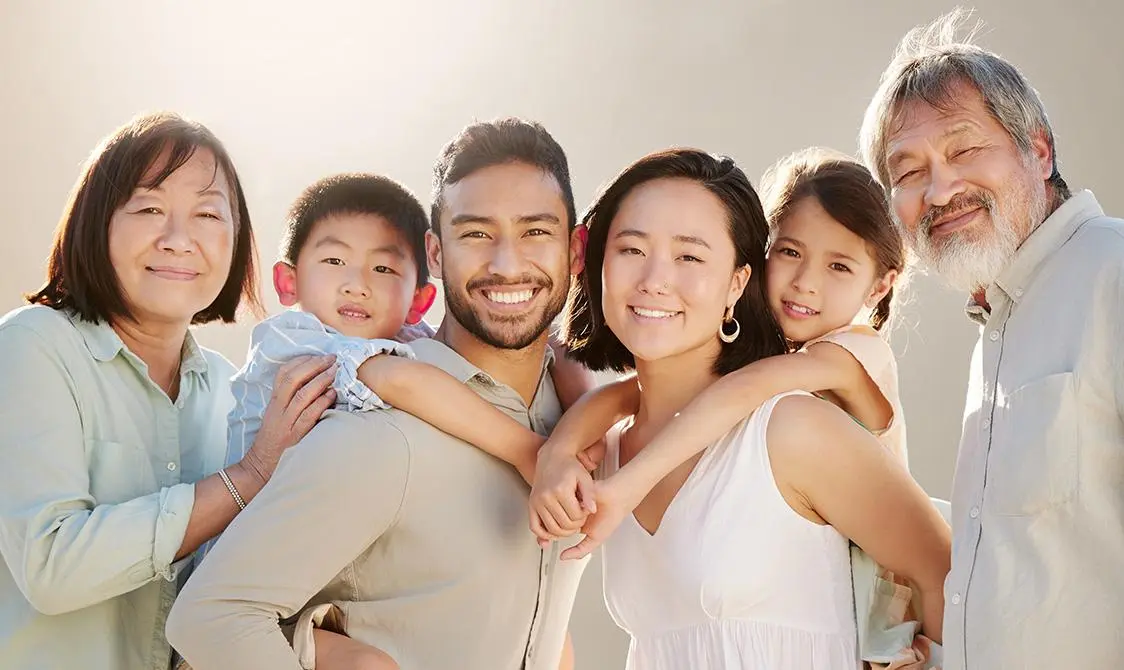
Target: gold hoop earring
722,334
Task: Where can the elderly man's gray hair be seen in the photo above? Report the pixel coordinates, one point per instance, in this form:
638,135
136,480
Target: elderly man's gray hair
930,64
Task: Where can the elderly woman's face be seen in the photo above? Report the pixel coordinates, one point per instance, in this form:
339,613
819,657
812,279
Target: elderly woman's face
172,245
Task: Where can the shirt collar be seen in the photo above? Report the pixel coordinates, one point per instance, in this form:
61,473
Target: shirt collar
1045,240
104,344
438,353
1037,248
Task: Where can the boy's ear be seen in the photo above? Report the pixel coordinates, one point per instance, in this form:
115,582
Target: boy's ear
423,300
285,283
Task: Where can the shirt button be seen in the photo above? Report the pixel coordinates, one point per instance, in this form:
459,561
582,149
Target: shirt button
974,513
171,467
986,424
1018,293
994,335
956,599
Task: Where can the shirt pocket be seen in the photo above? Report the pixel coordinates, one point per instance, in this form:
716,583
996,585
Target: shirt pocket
118,472
1033,464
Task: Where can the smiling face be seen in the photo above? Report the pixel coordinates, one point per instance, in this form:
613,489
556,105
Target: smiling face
669,272
820,274
356,273
172,245
965,194
504,254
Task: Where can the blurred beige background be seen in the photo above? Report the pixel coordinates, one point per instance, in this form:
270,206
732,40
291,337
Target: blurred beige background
298,90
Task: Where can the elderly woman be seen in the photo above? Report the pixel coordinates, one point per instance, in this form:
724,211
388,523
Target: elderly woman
113,419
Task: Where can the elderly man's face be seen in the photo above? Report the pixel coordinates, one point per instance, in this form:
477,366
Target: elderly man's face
965,194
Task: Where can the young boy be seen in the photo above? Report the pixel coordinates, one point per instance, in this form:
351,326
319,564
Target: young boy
353,264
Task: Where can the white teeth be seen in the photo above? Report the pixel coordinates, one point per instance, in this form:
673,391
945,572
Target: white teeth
510,298
801,309
653,313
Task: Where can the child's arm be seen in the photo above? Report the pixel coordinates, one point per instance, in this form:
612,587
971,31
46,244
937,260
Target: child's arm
588,419
412,386
562,493
821,367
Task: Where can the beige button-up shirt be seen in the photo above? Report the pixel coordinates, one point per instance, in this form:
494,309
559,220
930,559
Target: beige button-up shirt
1038,496
96,488
421,540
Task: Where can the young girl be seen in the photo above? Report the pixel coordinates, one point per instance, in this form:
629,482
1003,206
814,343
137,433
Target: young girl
834,258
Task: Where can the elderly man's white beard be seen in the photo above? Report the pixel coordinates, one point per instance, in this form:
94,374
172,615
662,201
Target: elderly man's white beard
968,263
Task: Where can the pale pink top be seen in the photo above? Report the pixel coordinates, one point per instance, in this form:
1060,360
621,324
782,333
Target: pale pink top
874,354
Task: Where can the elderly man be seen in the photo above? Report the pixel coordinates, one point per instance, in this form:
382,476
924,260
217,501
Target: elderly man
962,143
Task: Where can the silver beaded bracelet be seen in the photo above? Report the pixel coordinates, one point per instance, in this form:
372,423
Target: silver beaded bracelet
233,491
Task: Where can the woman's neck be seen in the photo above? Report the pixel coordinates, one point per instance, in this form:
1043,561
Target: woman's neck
668,385
160,346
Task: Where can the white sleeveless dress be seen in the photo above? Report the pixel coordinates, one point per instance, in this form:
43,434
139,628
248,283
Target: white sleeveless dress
733,578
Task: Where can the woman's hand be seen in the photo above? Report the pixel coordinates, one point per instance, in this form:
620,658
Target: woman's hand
302,393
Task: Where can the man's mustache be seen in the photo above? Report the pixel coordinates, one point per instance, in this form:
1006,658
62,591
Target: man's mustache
495,282
959,203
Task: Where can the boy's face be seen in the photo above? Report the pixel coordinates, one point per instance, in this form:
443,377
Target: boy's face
356,273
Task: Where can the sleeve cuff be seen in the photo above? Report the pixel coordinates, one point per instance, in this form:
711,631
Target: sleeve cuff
176,504
352,392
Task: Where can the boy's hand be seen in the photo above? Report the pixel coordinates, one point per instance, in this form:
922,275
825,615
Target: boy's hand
614,499
561,497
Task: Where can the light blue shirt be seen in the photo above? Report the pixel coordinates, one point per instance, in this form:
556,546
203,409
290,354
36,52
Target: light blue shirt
97,472
292,333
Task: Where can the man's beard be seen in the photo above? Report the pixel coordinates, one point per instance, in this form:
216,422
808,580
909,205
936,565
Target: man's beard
504,332
968,263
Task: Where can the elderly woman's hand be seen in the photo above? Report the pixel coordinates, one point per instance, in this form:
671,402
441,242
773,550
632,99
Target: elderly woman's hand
302,393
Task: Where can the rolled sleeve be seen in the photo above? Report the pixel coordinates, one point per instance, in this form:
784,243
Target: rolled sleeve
176,504
330,499
353,352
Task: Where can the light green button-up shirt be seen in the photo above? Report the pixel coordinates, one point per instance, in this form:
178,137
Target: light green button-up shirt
96,487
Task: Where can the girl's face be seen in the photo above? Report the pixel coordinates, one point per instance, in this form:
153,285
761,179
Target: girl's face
820,275
669,272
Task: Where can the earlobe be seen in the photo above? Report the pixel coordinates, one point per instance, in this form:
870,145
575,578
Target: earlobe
881,288
433,254
579,239
738,282
285,283
423,300
1043,154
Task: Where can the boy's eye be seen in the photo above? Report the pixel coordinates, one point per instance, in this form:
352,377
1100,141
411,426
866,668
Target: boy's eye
839,267
332,261
474,234
691,259
383,269
535,232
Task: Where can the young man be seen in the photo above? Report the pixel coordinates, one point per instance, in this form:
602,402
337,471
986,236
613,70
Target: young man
420,540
